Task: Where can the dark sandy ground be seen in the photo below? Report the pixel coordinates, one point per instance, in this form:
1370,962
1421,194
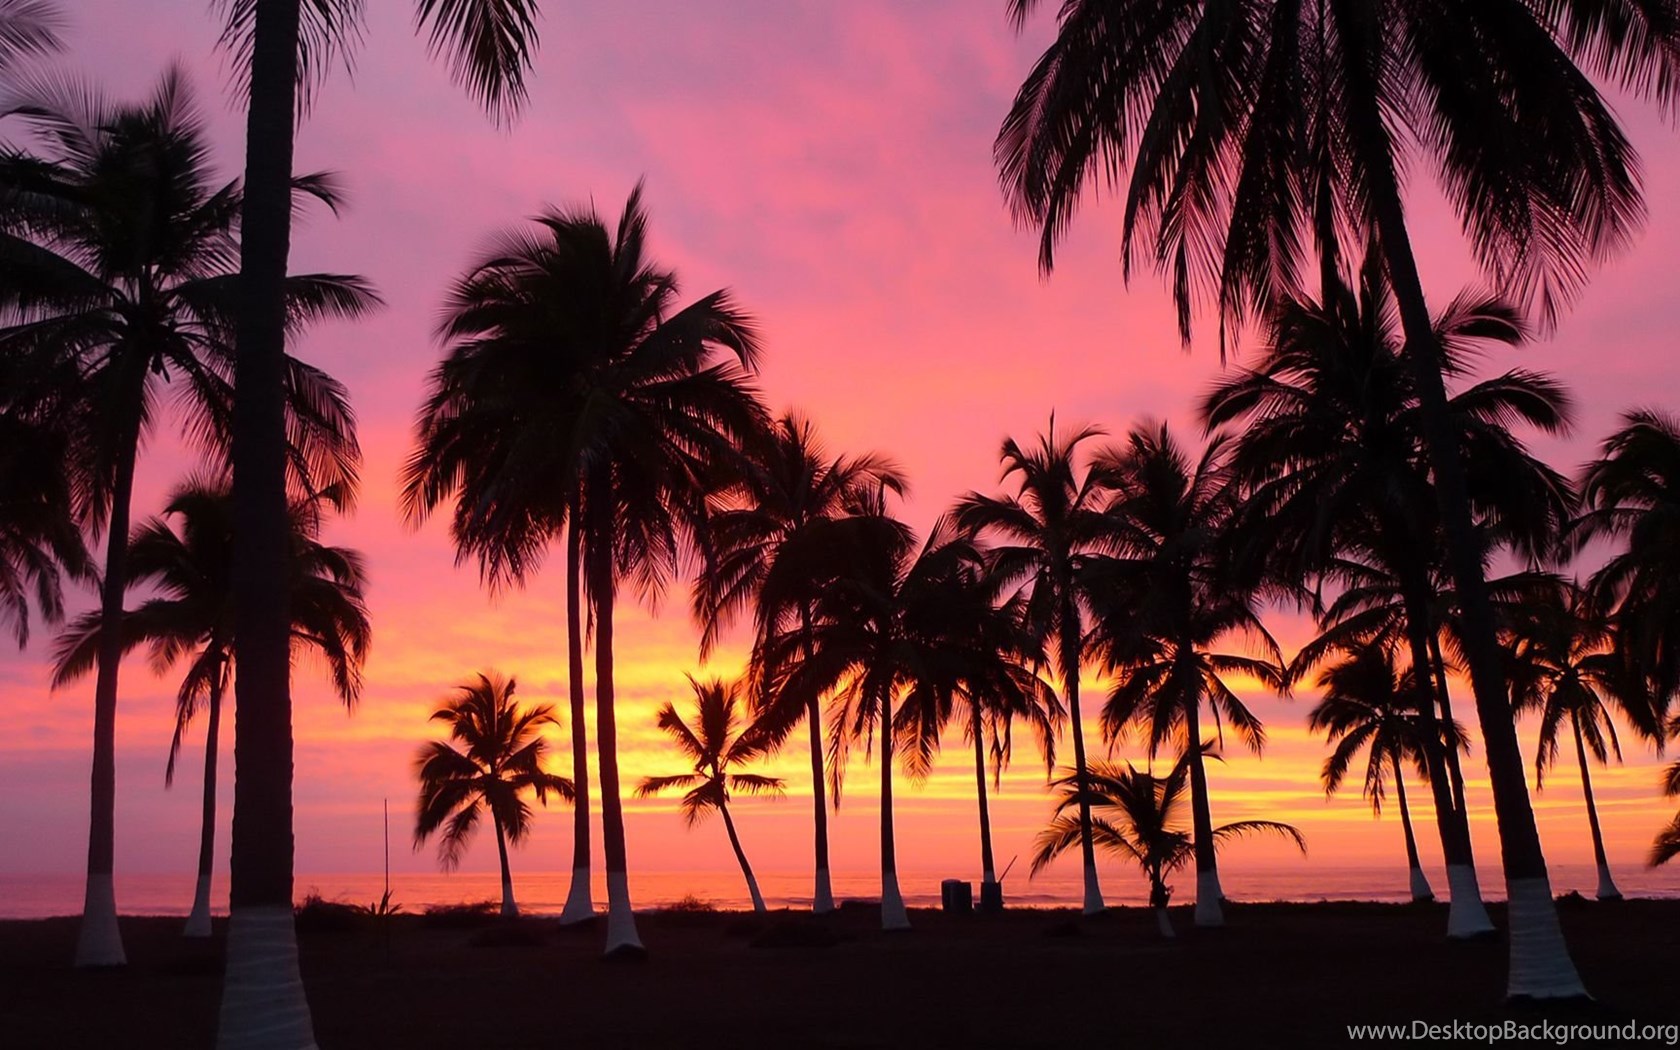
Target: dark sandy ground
1285,975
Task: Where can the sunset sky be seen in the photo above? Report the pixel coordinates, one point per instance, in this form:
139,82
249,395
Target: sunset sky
830,163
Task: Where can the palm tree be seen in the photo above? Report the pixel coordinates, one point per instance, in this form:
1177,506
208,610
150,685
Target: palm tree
500,759
791,489
1251,130
1164,607
572,375
1140,821
1667,844
1369,706
39,540
897,626
191,620
1333,461
1045,538
1563,667
118,249
718,744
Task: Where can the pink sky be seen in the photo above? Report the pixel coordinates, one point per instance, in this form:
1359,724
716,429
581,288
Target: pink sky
832,164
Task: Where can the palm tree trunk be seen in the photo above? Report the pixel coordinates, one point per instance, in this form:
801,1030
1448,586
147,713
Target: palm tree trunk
822,899
1210,910
1069,650
198,922
1541,966
1158,898
1607,890
1466,914
1445,695
263,1001
99,941
989,890
510,908
893,915
741,858
1420,884
580,905
622,940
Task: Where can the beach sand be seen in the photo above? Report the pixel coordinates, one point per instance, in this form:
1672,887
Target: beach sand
1277,975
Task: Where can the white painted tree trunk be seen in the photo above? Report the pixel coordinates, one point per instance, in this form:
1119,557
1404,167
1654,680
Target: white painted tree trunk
1466,916
580,907
1163,922
1607,890
510,907
1209,897
1094,904
621,919
757,898
822,902
1540,963
198,922
1421,890
893,914
263,1005
99,941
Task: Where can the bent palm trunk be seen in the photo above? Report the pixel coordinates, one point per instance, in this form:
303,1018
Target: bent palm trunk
621,918
198,922
510,908
1420,884
580,906
263,1001
1069,648
741,858
1607,890
1210,909
99,940
893,915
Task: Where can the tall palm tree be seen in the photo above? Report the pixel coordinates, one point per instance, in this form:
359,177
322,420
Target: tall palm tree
116,252
1045,538
282,48
718,744
1139,820
1563,668
499,760
575,390
190,619
1246,132
1332,457
789,491
1369,706
1165,607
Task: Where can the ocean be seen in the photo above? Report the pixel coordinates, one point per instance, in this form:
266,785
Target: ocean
33,896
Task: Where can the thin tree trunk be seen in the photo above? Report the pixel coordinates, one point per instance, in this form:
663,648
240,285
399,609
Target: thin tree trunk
988,873
1069,650
822,899
1210,910
198,922
621,919
263,1000
580,905
510,908
893,915
99,940
1607,890
741,858
1420,884
1445,694
1541,967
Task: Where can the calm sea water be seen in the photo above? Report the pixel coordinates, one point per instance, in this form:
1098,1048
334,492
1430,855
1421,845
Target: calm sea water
543,892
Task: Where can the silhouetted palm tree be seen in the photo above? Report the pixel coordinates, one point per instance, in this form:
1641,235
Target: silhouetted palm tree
39,540
575,389
1667,844
1563,668
1044,540
791,488
1139,820
1369,706
499,761
1245,133
1333,460
119,258
718,744
1164,607
191,619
